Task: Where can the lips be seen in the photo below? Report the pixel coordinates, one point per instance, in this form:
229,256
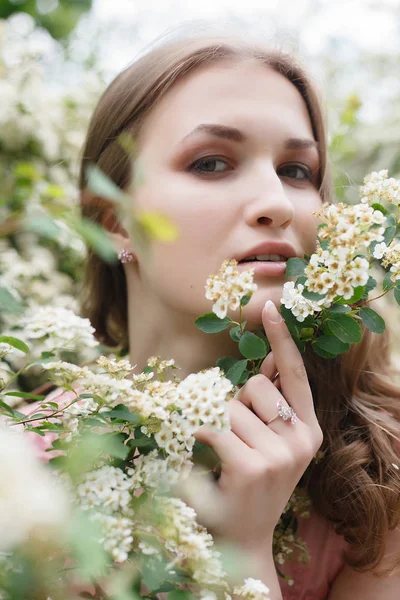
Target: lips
282,248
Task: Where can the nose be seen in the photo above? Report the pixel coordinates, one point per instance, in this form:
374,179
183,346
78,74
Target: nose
269,203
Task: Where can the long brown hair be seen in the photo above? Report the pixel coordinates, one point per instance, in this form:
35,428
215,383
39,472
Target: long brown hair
355,484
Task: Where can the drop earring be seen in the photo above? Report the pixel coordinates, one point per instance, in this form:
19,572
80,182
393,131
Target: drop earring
126,255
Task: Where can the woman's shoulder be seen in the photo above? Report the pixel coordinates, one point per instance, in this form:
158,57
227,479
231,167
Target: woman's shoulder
326,559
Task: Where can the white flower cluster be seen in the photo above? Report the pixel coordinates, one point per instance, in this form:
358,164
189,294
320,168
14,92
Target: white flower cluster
191,544
390,256
106,493
378,187
228,287
202,399
252,589
34,114
32,503
119,369
338,270
55,329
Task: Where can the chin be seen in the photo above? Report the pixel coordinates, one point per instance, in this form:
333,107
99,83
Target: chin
253,310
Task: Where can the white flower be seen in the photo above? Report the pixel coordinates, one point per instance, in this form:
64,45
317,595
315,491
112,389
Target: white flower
55,328
380,250
63,372
202,398
116,534
31,500
252,589
107,488
228,287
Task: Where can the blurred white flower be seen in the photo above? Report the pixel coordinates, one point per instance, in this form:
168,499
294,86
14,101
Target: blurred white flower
32,502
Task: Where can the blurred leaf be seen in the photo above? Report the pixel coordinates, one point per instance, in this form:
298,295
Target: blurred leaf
103,186
26,395
83,538
43,225
157,226
96,238
15,343
59,19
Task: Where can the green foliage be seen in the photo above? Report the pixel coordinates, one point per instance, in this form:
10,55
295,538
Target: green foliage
15,343
295,267
345,328
371,319
60,19
251,346
236,372
210,323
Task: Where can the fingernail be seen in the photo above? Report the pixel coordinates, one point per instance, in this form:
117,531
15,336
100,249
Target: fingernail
272,312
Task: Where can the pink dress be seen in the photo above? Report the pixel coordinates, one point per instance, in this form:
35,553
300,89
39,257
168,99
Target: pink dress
326,548
311,582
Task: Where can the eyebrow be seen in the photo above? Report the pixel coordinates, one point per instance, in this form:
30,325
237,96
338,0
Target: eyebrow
235,135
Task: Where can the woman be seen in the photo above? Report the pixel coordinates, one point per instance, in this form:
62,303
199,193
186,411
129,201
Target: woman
231,146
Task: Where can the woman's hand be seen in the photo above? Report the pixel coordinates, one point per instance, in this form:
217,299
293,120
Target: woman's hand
261,464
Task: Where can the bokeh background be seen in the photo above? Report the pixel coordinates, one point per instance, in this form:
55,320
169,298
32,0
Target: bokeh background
57,56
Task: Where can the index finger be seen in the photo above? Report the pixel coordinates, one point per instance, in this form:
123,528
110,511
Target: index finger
289,362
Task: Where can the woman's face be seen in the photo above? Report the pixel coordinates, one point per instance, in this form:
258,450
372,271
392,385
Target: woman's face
228,154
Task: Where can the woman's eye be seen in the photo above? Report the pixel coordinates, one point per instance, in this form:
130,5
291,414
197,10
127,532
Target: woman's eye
208,165
296,172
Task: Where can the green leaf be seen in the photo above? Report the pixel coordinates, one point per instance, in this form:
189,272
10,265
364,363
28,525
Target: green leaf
377,206
371,284
295,267
345,328
312,295
26,395
210,323
96,238
236,371
103,186
251,346
323,353
157,226
9,303
306,333
357,295
15,343
245,300
387,282
372,320
153,574
339,308
7,408
235,333
330,344
43,225
390,231
226,362
121,413
301,281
